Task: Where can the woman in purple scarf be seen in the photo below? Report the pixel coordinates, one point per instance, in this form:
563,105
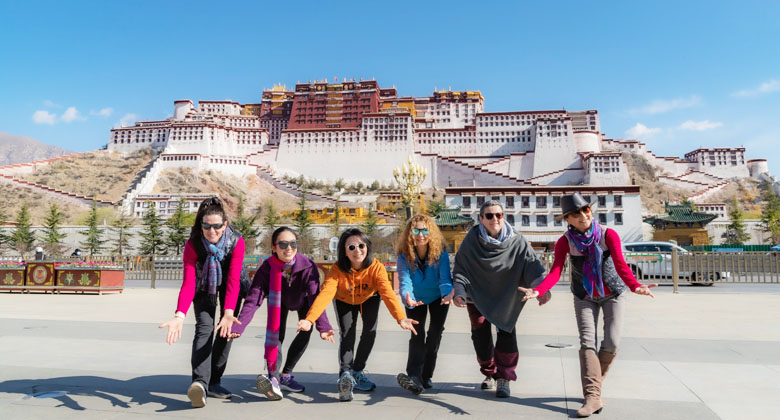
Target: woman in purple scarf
291,281
599,277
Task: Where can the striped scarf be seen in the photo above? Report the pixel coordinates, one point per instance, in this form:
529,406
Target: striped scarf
588,245
212,267
274,311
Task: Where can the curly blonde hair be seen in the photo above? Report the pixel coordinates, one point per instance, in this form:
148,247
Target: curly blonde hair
436,242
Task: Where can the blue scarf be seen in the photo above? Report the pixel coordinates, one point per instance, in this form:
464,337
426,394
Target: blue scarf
212,267
588,245
506,233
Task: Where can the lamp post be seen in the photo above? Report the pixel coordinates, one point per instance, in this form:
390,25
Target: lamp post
409,177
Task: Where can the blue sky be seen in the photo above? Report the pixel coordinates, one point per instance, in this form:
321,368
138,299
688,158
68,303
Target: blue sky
677,75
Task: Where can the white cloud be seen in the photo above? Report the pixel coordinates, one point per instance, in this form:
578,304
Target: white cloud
126,120
72,114
43,117
49,103
766,87
663,106
700,125
105,112
641,131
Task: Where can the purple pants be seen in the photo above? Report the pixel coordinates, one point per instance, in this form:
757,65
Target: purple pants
497,361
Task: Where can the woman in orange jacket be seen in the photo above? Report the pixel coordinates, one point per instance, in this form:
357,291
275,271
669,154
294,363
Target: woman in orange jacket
357,281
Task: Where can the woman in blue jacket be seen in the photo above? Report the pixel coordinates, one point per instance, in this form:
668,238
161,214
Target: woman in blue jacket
426,287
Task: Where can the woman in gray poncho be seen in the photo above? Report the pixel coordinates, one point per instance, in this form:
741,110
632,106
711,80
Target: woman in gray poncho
491,263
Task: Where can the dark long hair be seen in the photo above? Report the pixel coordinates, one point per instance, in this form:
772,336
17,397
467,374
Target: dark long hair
207,207
342,261
278,232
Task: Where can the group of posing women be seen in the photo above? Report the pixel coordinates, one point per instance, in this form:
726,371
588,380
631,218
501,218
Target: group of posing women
496,272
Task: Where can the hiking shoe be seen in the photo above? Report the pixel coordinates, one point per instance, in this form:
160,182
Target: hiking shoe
288,383
218,391
410,383
362,383
502,388
269,387
345,385
197,394
488,383
427,383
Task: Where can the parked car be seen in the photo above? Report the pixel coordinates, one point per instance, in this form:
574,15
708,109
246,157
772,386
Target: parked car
653,259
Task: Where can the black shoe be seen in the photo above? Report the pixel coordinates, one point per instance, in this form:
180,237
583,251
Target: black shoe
427,384
217,391
410,383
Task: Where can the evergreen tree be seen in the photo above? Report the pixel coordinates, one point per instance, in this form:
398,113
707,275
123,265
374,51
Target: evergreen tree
339,184
270,221
52,237
22,237
3,234
302,222
371,223
93,237
435,207
121,227
375,186
245,224
770,216
177,229
735,232
335,221
152,240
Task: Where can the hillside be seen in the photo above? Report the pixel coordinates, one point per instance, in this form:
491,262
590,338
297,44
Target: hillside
20,149
13,196
254,190
101,174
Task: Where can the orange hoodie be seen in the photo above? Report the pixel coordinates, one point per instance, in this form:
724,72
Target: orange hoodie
355,288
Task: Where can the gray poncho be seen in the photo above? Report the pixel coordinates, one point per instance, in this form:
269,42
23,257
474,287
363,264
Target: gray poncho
490,274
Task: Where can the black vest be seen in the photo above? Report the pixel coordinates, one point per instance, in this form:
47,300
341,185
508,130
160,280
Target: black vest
608,272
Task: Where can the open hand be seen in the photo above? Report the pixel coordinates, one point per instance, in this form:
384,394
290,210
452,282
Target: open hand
446,300
174,330
410,302
459,301
529,293
544,298
226,324
408,324
303,325
645,290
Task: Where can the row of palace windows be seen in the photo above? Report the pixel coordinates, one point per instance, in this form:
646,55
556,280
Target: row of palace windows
541,201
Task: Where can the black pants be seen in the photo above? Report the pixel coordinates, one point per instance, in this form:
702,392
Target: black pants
209,353
347,316
300,342
423,350
499,361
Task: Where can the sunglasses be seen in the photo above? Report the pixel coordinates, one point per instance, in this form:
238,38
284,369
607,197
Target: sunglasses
424,231
353,247
584,211
215,226
285,244
498,216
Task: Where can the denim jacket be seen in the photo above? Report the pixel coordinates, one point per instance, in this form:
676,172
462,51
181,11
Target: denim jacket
426,285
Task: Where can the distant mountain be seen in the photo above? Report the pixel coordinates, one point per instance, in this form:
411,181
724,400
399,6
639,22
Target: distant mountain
20,149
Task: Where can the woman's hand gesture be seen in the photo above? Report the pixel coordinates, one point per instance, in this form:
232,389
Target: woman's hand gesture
303,325
528,293
459,301
446,300
174,329
645,290
408,324
411,303
328,336
226,324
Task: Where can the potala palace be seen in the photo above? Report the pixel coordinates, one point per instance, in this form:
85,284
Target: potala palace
359,131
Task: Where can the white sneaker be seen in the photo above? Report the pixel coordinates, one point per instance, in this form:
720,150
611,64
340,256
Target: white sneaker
345,384
197,394
269,387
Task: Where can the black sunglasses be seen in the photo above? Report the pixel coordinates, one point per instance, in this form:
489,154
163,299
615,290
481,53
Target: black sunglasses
354,247
215,226
489,216
285,244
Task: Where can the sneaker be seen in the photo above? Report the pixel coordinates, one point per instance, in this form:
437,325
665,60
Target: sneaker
345,385
197,394
269,387
427,383
502,388
488,383
288,383
218,391
362,383
410,383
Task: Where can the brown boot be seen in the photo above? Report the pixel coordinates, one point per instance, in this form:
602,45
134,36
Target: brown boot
590,372
605,360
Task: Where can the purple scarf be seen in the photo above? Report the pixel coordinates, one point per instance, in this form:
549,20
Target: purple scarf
212,268
588,245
